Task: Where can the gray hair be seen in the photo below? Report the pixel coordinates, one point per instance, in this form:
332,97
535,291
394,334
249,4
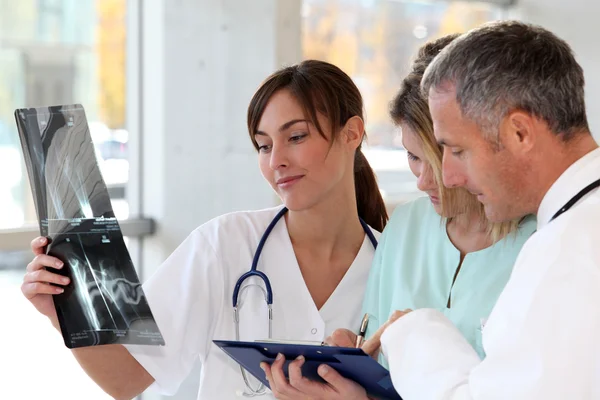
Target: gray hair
509,65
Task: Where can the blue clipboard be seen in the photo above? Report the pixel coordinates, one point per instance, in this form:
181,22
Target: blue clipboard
351,363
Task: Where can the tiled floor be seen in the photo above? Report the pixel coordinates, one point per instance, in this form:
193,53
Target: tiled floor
34,362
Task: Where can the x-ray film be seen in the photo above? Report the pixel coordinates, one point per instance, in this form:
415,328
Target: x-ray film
104,302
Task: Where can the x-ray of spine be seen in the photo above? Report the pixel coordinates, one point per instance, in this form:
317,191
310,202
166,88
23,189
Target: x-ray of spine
104,303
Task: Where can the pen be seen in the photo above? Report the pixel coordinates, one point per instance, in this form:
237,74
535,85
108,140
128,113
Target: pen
362,331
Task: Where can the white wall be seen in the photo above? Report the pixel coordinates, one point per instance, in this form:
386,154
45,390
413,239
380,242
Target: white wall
577,22
202,61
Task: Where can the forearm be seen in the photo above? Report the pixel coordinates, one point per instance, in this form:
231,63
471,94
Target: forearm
113,368
428,357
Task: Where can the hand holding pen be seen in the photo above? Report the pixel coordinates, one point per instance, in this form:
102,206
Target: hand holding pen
347,338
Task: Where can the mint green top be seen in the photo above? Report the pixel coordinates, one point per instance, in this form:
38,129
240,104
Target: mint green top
415,264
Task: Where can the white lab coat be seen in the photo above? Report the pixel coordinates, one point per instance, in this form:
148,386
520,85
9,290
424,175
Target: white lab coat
191,300
542,339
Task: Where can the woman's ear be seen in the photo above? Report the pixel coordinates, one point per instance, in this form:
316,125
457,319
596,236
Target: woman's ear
353,132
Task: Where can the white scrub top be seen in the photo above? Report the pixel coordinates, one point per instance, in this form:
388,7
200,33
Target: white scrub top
191,299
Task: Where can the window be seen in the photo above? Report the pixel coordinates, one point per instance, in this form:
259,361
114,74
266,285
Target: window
54,52
84,63
374,41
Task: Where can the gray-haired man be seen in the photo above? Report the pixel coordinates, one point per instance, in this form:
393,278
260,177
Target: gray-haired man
507,101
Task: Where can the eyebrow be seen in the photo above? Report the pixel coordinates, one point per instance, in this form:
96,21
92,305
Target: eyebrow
283,127
443,142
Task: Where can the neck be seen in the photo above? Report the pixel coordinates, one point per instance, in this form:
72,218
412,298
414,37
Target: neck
469,222
328,227
469,232
557,160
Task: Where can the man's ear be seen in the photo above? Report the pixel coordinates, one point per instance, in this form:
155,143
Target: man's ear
353,132
519,131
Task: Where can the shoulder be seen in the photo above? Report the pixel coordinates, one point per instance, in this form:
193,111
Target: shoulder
237,219
419,210
580,226
409,224
235,227
572,238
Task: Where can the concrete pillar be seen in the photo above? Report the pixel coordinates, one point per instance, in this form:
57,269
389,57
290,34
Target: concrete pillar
201,61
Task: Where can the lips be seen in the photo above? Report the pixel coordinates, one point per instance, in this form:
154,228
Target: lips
433,197
288,180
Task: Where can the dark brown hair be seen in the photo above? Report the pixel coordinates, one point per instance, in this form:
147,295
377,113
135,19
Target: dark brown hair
323,88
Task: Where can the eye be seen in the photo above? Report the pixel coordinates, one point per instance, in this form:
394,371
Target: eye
297,137
263,148
457,153
411,156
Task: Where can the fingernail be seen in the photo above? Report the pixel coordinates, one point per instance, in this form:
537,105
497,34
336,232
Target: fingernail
65,280
323,370
279,356
262,366
42,240
59,264
300,358
59,290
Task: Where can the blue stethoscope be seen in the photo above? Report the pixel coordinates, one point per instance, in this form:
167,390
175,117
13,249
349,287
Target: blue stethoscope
267,290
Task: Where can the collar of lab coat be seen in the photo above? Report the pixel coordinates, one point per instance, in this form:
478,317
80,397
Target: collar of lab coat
580,174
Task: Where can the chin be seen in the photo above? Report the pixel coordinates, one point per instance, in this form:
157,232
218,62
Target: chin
498,215
293,203
438,210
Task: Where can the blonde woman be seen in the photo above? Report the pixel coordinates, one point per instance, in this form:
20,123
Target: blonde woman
439,251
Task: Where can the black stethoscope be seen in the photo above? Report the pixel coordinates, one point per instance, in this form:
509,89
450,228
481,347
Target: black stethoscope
267,291
576,198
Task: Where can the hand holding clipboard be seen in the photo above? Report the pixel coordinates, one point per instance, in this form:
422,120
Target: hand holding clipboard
319,369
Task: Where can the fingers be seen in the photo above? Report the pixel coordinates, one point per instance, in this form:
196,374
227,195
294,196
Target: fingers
280,386
272,383
267,368
44,276
31,290
38,282
372,345
277,371
295,372
338,383
38,244
308,388
397,314
341,338
329,341
299,387
43,260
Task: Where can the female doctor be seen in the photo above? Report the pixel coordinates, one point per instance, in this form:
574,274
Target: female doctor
306,123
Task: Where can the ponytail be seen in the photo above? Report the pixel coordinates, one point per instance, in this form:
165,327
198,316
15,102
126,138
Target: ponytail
371,207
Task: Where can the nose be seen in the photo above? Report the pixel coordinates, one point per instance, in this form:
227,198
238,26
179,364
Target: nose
452,175
426,180
279,157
